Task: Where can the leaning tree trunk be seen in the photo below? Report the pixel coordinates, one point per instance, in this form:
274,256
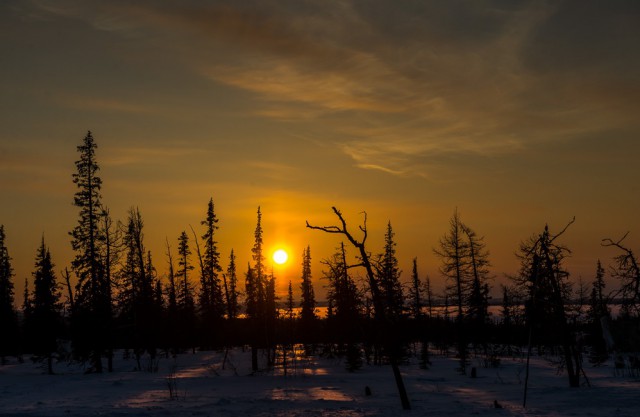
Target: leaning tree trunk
379,315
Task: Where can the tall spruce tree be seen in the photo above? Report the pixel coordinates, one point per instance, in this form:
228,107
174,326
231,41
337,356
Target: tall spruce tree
258,257
111,246
138,310
45,317
599,318
185,295
91,301
308,302
231,288
599,300
173,320
211,291
252,307
251,297
415,292
8,317
388,275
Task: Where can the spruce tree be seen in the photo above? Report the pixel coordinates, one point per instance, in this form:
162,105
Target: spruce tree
507,306
185,295
173,320
251,309
139,313
599,318
429,295
91,312
258,260
251,299
388,275
415,292
212,301
45,317
599,299
27,310
231,288
290,304
8,317
344,297
308,302
111,245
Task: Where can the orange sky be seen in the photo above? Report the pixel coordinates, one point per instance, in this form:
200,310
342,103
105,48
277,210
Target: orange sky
517,113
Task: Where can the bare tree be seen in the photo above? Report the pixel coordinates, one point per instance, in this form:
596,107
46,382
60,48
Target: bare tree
627,271
378,302
546,281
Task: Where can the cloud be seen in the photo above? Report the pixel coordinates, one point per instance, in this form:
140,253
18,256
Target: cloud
402,85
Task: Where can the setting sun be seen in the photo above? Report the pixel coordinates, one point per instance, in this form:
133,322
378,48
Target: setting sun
280,257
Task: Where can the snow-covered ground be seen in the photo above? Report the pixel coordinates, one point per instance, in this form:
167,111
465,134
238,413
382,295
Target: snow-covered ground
315,387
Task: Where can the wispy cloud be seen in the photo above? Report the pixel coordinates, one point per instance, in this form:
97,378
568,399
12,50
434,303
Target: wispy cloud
402,85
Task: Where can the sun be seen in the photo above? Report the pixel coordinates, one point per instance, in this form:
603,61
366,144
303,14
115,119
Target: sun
280,256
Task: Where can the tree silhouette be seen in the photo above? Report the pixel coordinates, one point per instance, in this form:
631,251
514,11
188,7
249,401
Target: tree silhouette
8,318
388,276
185,293
478,294
627,270
173,314
382,320
343,291
308,302
453,251
415,292
545,280
599,317
231,288
211,297
139,311
45,316
91,314
111,246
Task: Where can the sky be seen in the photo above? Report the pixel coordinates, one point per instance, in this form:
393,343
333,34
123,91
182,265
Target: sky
516,113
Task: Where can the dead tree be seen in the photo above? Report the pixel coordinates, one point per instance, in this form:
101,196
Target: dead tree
379,311
628,271
544,277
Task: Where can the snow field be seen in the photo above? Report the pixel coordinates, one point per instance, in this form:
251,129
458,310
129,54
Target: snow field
314,386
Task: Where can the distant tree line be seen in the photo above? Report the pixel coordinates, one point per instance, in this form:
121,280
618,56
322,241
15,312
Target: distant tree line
120,302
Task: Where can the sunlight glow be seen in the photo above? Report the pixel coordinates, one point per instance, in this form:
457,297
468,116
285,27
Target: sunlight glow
280,257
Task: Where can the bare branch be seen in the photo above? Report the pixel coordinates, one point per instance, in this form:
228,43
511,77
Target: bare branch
563,230
328,229
618,243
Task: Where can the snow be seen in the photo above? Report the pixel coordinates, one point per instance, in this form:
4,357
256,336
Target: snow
314,386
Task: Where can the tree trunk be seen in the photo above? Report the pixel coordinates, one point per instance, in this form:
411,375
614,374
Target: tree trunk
402,391
254,359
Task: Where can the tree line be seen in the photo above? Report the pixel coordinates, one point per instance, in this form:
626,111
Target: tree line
119,301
